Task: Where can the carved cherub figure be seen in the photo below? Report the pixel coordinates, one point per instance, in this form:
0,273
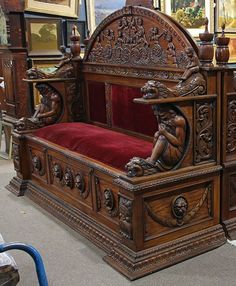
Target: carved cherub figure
49,107
169,140
193,66
67,56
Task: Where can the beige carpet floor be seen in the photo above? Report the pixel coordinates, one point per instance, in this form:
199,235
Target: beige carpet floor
71,260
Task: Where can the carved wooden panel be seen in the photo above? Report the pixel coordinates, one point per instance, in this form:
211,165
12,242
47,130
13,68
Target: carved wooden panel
146,38
125,217
16,156
232,191
205,132
74,182
185,207
231,126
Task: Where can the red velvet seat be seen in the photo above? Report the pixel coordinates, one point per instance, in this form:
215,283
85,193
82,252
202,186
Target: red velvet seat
110,147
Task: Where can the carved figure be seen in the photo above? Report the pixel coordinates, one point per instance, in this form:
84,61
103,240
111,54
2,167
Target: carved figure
168,145
193,66
47,112
66,57
171,50
36,163
191,83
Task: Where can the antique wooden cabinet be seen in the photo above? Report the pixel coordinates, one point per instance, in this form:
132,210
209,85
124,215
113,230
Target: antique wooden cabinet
13,57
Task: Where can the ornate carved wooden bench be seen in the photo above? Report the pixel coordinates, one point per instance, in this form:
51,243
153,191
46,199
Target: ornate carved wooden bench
147,201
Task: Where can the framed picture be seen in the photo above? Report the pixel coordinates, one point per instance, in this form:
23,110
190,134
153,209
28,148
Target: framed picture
81,26
226,13
67,8
97,10
46,65
43,36
191,14
232,47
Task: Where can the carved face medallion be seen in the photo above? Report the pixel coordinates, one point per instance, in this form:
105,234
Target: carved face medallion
109,199
68,178
36,163
57,171
179,207
79,183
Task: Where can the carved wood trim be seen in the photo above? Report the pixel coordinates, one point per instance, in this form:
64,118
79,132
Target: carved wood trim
231,126
205,136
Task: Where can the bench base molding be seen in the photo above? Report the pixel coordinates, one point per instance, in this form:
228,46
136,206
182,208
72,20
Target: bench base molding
131,264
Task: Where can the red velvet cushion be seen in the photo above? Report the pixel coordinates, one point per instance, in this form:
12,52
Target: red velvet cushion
111,148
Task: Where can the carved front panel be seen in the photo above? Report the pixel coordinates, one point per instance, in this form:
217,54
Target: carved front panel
231,126
205,132
146,38
75,182
183,207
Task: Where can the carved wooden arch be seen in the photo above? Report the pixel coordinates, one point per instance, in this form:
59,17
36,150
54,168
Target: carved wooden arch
154,38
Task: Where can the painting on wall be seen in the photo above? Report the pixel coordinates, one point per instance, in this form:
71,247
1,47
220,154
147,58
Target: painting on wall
226,14
81,28
3,28
67,8
232,48
44,36
191,14
103,8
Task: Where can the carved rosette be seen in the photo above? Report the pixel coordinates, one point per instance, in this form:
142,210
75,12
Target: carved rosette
16,156
68,178
179,210
231,126
205,137
125,217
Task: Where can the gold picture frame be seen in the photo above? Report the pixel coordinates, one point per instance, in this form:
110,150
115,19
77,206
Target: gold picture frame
68,8
193,20
226,14
44,36
232,47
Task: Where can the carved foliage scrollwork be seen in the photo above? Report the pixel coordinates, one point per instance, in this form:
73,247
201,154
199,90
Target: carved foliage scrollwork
125,217
231,126
180,210
205,133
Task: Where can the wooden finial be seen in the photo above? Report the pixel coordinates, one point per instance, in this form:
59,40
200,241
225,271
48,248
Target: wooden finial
75,39
206,25
223,29
143,3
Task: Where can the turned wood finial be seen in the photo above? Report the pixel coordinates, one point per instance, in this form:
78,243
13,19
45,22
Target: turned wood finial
87,38
223,29
75,39
143,3
206,25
